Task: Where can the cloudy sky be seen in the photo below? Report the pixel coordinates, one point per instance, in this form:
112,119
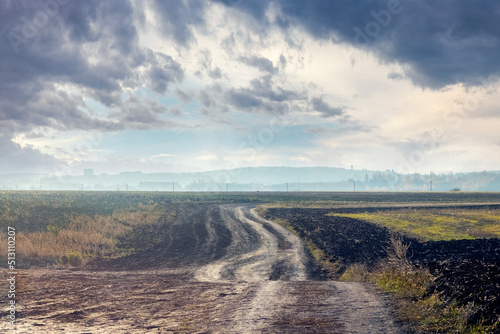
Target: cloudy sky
202,85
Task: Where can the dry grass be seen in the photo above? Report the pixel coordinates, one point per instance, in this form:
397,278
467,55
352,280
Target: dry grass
43,245
83,238
397,252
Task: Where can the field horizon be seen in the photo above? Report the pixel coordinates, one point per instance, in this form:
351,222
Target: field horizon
226,244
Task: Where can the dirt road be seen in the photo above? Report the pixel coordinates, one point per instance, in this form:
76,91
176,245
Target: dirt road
221,269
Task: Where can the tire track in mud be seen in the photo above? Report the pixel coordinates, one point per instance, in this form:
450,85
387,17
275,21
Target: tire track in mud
269,264
256,253
216,269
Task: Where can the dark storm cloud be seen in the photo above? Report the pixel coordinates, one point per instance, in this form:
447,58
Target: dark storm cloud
177,17
205,99
264,87
263,96
395,76
16,159
91,47
142,115
325,109
175,111
443,42
164,70
256,8
206,67
263,64
215,73
185,97
243,99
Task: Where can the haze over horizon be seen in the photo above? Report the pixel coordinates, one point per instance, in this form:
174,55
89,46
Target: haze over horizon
193,85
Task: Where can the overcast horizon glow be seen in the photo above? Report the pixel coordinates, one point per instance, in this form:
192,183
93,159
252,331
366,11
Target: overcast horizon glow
180,86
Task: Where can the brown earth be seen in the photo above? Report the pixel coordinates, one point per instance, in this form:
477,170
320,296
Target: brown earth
466,272
220,269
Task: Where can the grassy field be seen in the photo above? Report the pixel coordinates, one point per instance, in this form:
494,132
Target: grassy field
424,216
437,224
69,228
54,226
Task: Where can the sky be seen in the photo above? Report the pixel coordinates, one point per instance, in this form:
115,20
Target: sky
193,85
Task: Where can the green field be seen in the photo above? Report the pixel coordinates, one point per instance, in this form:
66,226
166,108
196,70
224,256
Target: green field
51,225
437,224
69,228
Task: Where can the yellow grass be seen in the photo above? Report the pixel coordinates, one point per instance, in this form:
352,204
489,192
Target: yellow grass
437,224
43,245
83,235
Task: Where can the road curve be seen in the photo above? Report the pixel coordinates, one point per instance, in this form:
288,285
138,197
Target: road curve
260,250
216,269
269,262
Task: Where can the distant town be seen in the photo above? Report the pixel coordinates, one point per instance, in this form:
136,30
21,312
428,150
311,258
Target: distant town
258,179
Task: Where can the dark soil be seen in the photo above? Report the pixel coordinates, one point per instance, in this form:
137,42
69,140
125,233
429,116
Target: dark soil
185,243
212,269
345,239
465,271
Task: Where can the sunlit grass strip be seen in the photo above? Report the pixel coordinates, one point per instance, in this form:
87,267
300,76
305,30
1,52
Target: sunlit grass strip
437,224
313,204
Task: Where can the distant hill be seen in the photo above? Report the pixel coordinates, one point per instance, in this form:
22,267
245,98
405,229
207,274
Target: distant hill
260,179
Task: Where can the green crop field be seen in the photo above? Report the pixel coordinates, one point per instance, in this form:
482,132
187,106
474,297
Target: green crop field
52,224
61,229
437,224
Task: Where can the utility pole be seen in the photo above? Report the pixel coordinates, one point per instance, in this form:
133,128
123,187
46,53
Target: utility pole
354,185
430,185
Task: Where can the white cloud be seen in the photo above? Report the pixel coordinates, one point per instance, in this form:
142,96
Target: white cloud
380,121
302,159
385,111
206,157
163,155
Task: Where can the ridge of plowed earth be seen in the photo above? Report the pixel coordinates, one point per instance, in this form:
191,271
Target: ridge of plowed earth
465,271
218,269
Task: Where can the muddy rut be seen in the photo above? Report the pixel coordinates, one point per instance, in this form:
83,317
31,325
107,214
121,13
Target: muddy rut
221,269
